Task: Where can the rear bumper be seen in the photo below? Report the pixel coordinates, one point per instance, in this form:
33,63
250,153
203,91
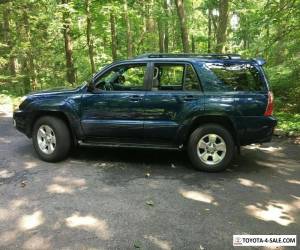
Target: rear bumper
20,122
258,129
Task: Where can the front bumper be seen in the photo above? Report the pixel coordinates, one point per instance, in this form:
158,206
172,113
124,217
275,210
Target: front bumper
21,123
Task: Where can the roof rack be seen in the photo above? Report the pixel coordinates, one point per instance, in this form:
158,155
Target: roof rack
180,55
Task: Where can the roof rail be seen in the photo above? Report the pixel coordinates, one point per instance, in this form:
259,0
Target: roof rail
180,55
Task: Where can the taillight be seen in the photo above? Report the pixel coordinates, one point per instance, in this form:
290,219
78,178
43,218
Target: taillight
270,106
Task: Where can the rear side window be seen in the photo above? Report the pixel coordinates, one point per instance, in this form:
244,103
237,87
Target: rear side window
191,82
171,76
174,77
230,77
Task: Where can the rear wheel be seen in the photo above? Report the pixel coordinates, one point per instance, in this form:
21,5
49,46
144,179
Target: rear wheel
51,138
211,148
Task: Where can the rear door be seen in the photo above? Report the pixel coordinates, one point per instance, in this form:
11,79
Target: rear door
237,89
175,98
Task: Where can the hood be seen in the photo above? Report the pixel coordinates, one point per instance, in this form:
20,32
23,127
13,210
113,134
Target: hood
57,91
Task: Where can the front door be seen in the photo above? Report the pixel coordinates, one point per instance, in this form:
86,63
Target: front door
175,97
115,109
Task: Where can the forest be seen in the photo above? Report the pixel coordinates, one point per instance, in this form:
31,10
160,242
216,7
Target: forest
55,43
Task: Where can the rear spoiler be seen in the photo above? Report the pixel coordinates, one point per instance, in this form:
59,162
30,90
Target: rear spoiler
259,61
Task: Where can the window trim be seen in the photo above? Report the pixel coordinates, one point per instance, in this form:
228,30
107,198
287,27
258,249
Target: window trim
151,72
199,82
115,65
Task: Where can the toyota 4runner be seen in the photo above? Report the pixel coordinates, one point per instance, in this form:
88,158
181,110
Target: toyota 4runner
208,105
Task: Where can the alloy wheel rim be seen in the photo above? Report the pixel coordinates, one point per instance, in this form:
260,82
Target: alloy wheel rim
211,149
46,139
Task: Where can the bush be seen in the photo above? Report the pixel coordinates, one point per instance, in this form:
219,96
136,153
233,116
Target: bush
288,122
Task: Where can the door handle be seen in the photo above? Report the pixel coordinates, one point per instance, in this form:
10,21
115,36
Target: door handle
189,98
135,98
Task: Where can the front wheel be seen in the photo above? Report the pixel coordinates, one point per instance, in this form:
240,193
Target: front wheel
51,138
211,148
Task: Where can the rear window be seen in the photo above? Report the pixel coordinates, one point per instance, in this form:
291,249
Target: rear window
230,77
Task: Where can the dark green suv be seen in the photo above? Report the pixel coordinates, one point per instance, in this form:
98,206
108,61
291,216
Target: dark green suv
208,105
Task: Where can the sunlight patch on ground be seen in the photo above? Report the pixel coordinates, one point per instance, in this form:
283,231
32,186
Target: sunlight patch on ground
268,149
70,180
59,189
294,182
280,167
4,141
198,196
5,214
8,237
6,174
295,205
154,184
34,220
30,165
17,203
160,244
37,242
284,172
12,211
249,183
88,223
279,212
266,164
66,185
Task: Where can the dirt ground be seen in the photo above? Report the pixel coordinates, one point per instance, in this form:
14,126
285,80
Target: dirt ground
142,199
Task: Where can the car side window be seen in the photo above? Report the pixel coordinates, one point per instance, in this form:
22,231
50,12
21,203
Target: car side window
174,77
191,82
123,77
168,76
232,77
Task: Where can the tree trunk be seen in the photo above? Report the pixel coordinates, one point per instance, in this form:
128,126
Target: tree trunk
166,26
26,78
30,65
183,25
193,44
160,35
113,35
25,71
222,25
88,35
68,45
209,31
8,41
128,31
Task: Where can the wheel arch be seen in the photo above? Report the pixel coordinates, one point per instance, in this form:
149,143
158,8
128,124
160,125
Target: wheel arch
221,120
53,113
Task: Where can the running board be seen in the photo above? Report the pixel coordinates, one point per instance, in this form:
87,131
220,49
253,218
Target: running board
127,145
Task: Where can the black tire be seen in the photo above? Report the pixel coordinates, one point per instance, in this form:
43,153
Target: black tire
62,134
193,148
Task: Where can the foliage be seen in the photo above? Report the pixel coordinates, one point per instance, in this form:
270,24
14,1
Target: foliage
288,122
33,38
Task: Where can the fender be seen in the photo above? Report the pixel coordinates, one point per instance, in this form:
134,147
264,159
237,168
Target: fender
190,124
68,107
